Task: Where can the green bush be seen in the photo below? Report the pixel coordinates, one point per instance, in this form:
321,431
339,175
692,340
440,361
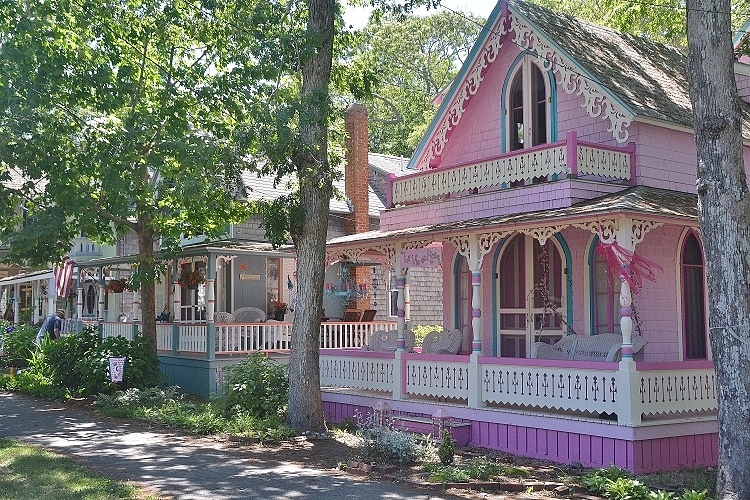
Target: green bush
257,386
18,342
421,331
381,443
446,450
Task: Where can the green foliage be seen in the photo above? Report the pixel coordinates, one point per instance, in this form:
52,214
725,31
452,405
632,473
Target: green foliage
18,343
477,468
78,365
598,479
694,495
257,386
618,484
167,406
446,450
421,331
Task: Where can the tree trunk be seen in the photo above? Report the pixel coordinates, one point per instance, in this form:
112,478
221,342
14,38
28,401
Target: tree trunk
146,262
725,223
305,411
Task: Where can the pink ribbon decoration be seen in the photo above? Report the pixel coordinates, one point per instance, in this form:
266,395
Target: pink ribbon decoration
619,257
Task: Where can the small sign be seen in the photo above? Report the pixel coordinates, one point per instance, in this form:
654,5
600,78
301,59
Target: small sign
116,369
249,277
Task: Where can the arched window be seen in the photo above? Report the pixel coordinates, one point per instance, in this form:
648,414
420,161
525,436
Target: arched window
527,110
693,299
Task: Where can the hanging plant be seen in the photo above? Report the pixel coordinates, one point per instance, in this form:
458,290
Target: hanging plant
117,285
190,278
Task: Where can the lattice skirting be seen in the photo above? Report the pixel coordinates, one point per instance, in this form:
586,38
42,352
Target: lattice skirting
663,447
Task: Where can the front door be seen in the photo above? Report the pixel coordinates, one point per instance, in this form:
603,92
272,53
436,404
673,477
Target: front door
530,299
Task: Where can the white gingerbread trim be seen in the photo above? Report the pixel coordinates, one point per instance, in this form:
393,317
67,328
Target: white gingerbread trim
641,227
543,233
606,229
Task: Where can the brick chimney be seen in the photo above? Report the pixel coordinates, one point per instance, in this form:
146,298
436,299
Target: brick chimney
357,181
357,171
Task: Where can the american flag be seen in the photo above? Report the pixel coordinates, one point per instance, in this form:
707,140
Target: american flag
64,276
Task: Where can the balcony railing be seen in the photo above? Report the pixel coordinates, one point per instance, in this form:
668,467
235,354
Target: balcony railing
550,161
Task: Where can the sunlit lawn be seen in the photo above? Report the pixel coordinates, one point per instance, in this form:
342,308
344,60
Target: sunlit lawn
29,472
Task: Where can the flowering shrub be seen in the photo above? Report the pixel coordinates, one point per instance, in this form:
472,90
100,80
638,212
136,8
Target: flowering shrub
280,307
191,278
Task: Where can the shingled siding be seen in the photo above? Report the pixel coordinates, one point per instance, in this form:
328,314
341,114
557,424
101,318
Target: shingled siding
425,291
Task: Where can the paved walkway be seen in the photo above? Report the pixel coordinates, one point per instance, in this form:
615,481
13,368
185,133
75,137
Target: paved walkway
174,465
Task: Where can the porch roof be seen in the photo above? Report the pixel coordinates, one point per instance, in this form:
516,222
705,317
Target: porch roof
24,277
643,201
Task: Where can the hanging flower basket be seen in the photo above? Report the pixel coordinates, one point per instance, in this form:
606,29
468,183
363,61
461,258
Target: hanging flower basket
191,279
117,286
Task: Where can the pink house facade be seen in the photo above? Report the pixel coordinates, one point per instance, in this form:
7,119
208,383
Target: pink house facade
555,190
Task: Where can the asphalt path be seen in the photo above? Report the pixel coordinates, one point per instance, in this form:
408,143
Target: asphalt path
176,465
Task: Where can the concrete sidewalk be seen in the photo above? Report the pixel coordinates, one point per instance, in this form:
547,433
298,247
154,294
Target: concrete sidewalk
175,465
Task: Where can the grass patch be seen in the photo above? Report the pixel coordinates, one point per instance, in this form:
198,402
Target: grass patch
29,472
477,469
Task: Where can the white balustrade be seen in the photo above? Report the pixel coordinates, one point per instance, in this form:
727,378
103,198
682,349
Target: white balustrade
559,388
660,392
117,329
550,161
192,338
437,376
248,337
371,371
339,335
164,336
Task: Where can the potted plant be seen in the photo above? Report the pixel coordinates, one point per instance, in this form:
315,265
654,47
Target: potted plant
280,309
116,285
191,279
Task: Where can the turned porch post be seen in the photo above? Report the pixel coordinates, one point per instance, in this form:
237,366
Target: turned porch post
176,301
625,240
398,365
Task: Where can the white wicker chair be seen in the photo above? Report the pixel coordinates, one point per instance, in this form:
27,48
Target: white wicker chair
223,317
249,315
387,341
602,347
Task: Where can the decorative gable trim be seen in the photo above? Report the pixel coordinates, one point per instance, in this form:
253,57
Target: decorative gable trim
597,101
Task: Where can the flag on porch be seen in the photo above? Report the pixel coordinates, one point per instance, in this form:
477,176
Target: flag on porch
64,276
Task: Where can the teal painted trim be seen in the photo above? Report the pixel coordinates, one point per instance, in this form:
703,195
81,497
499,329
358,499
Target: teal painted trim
741,33
504,101
590,257
567,273
458,81
495,284
554,44
211,341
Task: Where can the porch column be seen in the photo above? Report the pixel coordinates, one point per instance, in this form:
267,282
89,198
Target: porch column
16,302
474,259
136,312
102,299
51,297
210,324
407,301
398,365
176,297
79,308
625,240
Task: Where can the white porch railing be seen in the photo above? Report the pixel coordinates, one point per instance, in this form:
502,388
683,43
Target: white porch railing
164,336
117,329
552,161
338,334
685,391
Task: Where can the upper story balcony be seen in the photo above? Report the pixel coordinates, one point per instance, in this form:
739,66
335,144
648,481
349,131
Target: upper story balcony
549,162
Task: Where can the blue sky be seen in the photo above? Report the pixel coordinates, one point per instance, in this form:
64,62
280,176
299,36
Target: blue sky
358,16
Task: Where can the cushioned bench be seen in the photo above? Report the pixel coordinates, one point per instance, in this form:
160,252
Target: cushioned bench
602,347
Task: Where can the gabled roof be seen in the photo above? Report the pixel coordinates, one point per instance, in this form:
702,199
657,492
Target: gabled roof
617,77
263,188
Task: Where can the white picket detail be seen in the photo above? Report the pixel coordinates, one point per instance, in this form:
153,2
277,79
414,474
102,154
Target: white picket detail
439,378
164,336
117,329
373,371
604,162
248,337
338,334
553,388
192,338
661,392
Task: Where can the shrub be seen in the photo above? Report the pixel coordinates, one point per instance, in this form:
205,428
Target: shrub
383,444
446,450
257,386
18,342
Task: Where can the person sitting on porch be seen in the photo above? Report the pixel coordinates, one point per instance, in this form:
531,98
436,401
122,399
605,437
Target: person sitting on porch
51,326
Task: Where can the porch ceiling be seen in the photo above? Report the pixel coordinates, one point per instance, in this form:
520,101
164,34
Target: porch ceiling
640,201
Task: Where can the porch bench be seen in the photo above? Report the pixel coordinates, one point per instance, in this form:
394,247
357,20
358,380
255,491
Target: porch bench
443,342
387,341
602,347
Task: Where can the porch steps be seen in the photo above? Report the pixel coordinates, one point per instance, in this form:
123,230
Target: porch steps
422,424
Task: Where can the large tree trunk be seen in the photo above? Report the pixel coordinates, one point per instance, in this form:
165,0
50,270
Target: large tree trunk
725,223
147,290
305,411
